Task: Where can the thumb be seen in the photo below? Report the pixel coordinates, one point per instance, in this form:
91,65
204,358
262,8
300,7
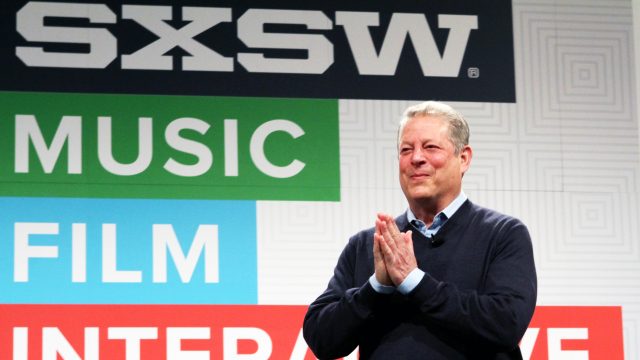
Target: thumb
408,237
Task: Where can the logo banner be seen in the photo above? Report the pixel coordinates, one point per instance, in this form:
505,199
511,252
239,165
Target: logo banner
171,332
252,331
128,146
574,332
127,251
440,49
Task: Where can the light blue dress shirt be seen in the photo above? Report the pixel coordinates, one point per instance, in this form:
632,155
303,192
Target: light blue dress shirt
415,276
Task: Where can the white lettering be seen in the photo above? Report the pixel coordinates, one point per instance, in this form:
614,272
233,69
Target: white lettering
356,26
69,131
555,337
54,343
20,343
110,273
257,148
230,343
56,346
251,31
132,337
79,253
145,148
205,245
102,44
153,19
206,238
23,251
300,348
172,135
230,147
174,343
528,342
319,49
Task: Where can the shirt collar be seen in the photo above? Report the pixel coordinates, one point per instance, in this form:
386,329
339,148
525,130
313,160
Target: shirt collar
448,211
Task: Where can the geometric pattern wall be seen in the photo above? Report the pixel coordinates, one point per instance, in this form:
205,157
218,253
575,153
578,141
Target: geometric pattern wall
564,158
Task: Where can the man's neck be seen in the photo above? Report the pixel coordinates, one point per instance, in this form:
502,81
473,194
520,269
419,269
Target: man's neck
427,209
424,213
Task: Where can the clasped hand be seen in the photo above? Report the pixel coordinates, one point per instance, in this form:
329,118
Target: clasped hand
393,254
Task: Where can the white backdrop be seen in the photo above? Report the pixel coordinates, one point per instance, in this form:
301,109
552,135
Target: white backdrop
564,158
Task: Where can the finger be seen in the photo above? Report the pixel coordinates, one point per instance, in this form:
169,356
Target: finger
408,239
378,230
393,228
385,217
380,267
379,226
387,236
386,250
376,246
381,216
399,242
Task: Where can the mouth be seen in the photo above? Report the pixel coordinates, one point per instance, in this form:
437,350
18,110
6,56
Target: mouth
419,176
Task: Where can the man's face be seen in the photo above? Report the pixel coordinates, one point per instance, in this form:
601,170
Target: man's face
430,171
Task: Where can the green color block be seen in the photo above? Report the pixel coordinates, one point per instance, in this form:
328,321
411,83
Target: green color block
193,147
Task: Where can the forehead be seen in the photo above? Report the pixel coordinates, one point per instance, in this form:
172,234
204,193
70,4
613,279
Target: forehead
425,126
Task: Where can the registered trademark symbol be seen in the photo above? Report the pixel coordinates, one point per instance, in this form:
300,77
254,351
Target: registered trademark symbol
473,72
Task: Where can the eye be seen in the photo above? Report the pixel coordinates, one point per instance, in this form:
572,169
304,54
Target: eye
405,149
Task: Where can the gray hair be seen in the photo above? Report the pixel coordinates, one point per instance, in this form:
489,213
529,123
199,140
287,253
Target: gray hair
458,127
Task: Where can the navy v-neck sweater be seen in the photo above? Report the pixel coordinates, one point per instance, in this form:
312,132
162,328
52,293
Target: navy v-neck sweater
474,302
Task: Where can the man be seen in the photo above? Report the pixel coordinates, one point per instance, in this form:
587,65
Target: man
446,280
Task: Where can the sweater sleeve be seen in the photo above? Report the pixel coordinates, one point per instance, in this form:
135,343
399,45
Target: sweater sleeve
499,316
333,321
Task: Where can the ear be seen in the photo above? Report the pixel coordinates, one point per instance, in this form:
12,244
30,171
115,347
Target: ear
465,158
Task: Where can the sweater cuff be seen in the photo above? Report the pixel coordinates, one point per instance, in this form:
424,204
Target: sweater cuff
365,299
426,289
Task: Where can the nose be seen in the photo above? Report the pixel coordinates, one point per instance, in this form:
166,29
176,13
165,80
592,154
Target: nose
417,157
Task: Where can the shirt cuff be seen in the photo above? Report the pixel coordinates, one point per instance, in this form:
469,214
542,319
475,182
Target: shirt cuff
379,288
411,281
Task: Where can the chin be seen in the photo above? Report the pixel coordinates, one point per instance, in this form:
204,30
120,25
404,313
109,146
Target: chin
420,196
